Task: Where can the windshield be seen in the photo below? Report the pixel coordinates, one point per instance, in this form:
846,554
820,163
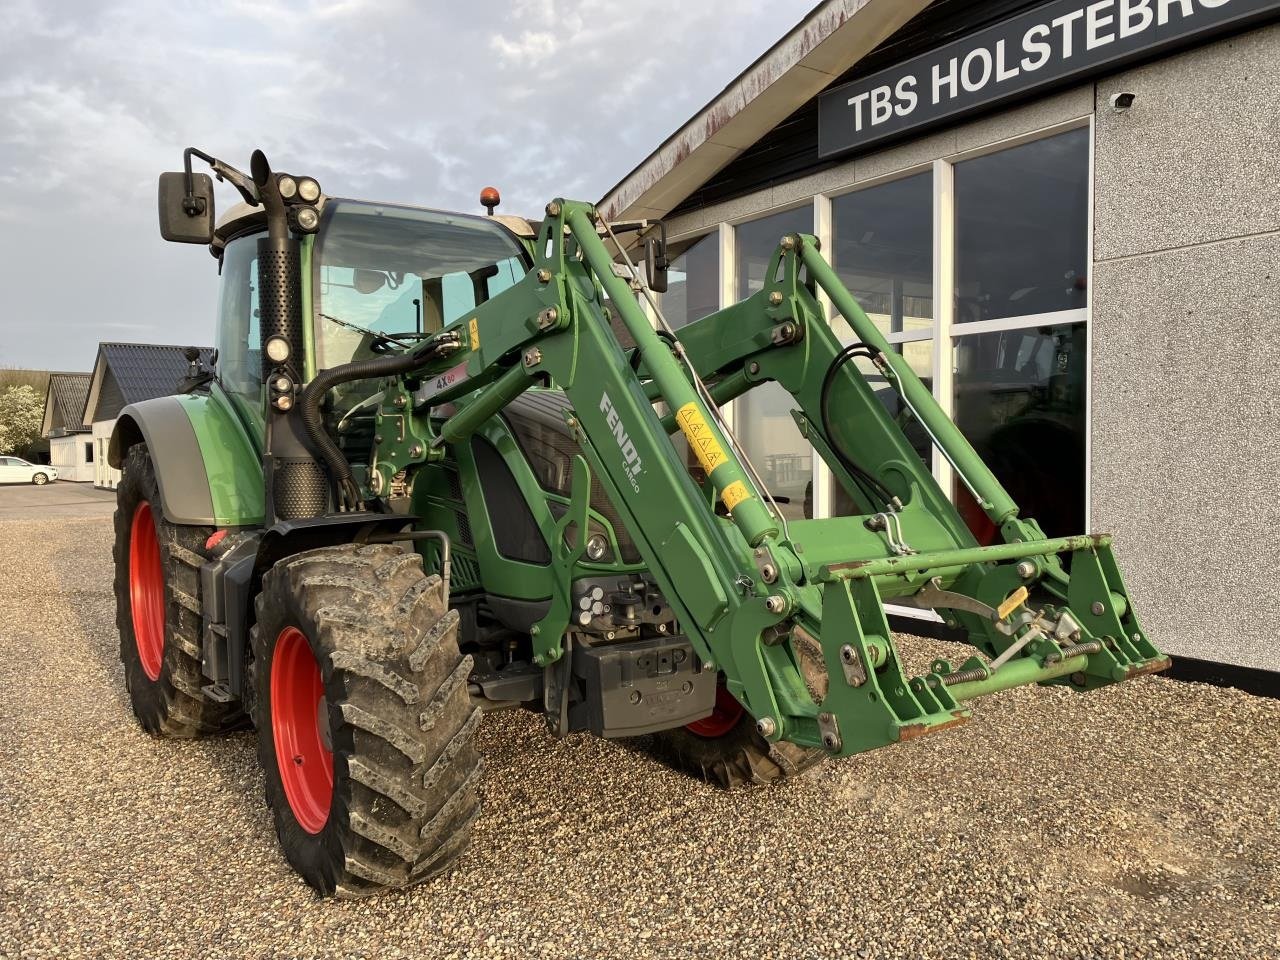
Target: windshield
396,272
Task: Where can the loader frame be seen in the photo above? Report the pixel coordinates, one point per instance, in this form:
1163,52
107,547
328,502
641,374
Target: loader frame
792,612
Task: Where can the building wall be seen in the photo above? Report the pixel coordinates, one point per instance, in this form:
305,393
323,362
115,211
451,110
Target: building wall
1184,286
1186,447
105,476
69,455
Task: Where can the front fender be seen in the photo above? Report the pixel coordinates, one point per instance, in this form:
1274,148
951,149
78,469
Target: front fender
208,470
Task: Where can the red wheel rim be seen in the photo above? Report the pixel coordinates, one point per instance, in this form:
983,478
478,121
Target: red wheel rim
146,590
297,705
724,716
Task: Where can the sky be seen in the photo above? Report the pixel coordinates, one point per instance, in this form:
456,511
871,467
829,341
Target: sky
421,103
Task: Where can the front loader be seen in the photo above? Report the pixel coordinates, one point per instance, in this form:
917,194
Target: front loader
448,464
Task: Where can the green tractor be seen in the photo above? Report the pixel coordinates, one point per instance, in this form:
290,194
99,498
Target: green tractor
447,464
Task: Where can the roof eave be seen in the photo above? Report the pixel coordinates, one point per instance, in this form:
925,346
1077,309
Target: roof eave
830,40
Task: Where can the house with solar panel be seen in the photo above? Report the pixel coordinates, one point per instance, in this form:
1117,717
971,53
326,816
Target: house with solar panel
126,373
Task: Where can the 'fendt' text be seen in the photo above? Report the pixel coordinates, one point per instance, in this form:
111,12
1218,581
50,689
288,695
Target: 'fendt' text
629,455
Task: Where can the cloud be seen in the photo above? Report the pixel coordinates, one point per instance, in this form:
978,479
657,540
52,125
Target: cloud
397,100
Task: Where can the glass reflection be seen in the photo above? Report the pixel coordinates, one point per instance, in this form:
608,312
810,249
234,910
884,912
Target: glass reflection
763,417
1022,229
884,252
1019,399
693,282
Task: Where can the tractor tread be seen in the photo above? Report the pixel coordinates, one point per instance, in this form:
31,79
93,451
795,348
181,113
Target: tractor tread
188,557
374,872
449,754
451,806
405,795
446,853
184,600
428,718
382,836
740,758
361,666
399,738
172,706
384,782
433,638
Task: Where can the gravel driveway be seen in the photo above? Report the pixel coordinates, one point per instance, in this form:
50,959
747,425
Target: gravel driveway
1140,821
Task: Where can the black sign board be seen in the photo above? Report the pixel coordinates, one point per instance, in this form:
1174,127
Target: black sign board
1050,45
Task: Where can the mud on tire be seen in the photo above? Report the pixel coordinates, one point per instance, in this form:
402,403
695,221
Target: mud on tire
162,672
405,770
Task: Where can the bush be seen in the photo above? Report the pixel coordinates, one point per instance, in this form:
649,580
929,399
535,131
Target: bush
21,416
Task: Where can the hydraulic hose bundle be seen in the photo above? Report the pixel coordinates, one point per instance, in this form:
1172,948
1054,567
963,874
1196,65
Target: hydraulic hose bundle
346,492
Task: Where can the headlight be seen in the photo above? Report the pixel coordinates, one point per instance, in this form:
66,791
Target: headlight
278,350
597,547
305,219
288,187
308,190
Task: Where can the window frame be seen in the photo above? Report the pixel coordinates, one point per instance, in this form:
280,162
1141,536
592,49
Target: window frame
946,332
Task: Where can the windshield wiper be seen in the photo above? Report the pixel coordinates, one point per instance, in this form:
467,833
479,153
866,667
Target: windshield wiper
382,342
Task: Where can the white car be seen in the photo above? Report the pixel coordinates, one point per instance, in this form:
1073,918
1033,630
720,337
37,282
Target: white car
17,470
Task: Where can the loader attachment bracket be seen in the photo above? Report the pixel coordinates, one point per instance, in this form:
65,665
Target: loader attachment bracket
868,708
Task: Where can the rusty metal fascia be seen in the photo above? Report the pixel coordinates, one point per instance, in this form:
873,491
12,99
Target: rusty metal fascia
829,41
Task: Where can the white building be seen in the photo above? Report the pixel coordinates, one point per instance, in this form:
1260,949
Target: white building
126,373
71,448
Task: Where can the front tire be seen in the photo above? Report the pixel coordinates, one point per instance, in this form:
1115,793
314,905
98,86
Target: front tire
40,479
727,751
158,610
366,732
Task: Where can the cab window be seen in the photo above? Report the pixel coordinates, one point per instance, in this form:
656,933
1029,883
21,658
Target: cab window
395,274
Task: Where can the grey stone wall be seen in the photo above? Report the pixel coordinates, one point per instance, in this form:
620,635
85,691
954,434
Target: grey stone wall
1186,345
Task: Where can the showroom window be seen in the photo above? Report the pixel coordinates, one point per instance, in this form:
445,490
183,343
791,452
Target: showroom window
762,418
882,250
976,270
693,281
1022,240
1020,354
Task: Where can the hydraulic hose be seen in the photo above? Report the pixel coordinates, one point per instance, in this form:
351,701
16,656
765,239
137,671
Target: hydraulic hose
314,393
867,482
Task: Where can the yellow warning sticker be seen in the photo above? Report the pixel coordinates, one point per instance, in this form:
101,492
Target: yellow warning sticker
734,494
1012,602
474,329
702,441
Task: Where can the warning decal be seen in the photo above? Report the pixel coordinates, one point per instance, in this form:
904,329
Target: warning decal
702,441
734,494
474,329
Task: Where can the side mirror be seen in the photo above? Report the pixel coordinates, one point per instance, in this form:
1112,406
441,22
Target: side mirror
186,217
656,263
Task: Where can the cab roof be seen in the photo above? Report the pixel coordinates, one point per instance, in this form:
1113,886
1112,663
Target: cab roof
242,217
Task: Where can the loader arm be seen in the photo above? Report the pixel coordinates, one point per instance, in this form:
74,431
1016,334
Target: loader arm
791,612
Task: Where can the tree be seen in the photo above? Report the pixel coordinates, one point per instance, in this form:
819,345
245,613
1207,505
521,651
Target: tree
21,417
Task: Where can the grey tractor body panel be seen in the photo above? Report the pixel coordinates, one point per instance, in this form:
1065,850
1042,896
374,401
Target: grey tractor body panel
163,424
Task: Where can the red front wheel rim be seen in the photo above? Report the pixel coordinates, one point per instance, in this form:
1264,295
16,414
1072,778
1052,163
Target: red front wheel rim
146,590
298,710
724,716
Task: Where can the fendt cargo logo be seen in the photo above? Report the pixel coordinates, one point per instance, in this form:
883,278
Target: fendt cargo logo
629,455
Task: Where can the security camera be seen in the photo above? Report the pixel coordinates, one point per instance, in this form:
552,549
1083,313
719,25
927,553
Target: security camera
1122,101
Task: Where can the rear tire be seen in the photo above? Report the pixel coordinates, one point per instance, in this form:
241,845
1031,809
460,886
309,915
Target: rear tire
158,612
727,751
40,479
366,732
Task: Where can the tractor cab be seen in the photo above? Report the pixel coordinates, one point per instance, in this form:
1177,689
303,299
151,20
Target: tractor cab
376,277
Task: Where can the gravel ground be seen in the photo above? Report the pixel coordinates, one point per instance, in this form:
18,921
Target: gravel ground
1139,821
